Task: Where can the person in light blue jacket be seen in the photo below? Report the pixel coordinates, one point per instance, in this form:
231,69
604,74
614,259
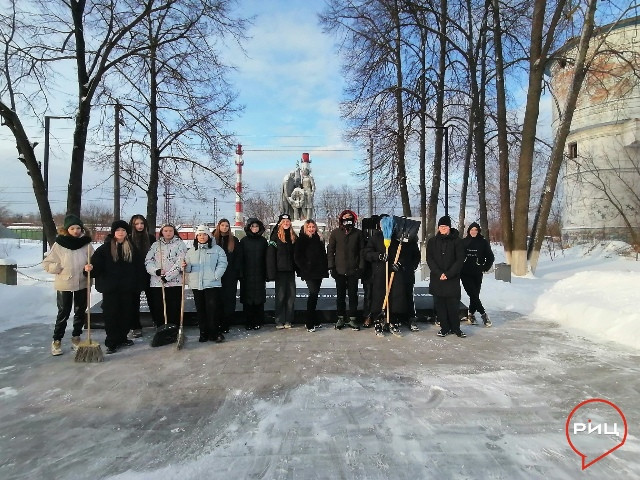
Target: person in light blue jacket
205,263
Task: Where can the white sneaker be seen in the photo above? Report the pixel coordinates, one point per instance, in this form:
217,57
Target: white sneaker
414,327
75,341
287,325
56,348
311,329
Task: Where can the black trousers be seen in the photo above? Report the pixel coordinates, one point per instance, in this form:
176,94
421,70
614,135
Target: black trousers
472,284
208,311
253,315
313,286
117,308
447,313
229,292
285,297
135,320
66,300
367,287
346,285
173,299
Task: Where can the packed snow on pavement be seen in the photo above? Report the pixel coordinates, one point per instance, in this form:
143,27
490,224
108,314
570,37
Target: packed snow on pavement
329,404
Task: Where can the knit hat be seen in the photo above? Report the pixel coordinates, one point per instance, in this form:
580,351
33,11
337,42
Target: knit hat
72,220
284,216
202,228
445,221
175,230
120,224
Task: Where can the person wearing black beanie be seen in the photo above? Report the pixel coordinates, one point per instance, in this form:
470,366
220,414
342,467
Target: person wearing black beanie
67,260
445,257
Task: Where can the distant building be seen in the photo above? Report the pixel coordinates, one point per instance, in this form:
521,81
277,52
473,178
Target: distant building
602,158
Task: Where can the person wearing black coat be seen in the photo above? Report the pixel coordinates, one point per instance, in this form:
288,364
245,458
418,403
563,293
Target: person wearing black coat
369,226
142,240
445,257
281,268
231,246
117,267
254,274
478,259
400,303
311,260
346,264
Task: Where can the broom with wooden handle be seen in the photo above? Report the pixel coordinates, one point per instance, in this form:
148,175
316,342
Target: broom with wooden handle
89,351
167,333
181,337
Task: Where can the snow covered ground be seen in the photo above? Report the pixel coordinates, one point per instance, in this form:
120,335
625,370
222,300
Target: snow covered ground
332,404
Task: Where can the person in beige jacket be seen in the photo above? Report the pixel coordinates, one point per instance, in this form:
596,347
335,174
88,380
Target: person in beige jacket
68,260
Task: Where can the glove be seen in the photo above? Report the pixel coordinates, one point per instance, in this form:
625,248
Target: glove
396,267
158,272
382,257
163,278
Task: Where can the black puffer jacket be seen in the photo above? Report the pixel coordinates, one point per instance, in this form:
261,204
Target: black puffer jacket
254,265
445,254
310,257
478,254
120,276
344,253
280,255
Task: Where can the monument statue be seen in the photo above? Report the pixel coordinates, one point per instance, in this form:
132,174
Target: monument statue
298,189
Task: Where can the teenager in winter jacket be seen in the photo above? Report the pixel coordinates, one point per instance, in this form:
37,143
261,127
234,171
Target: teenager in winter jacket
311,259
445,256
142,240
117,267
164,265
223,237
369,227
205,264
478,259
346,264
254,274
281,268
67,259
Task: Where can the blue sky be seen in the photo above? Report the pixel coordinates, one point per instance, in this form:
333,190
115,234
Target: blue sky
290,85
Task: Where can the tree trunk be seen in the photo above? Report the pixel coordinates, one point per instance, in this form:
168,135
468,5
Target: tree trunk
74,192
400,135
154,153
557,153
27,156
503,142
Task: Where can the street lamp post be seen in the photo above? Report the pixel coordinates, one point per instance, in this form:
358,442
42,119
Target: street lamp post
45,170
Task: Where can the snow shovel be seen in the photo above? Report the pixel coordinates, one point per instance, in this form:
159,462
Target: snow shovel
167,333
89,351
181,337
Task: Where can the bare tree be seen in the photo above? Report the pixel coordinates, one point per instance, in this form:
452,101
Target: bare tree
179,99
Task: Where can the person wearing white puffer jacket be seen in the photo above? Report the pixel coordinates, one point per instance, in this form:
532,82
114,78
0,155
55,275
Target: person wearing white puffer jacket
205,263
164,265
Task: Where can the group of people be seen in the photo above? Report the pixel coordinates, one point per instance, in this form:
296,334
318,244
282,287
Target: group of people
131,261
